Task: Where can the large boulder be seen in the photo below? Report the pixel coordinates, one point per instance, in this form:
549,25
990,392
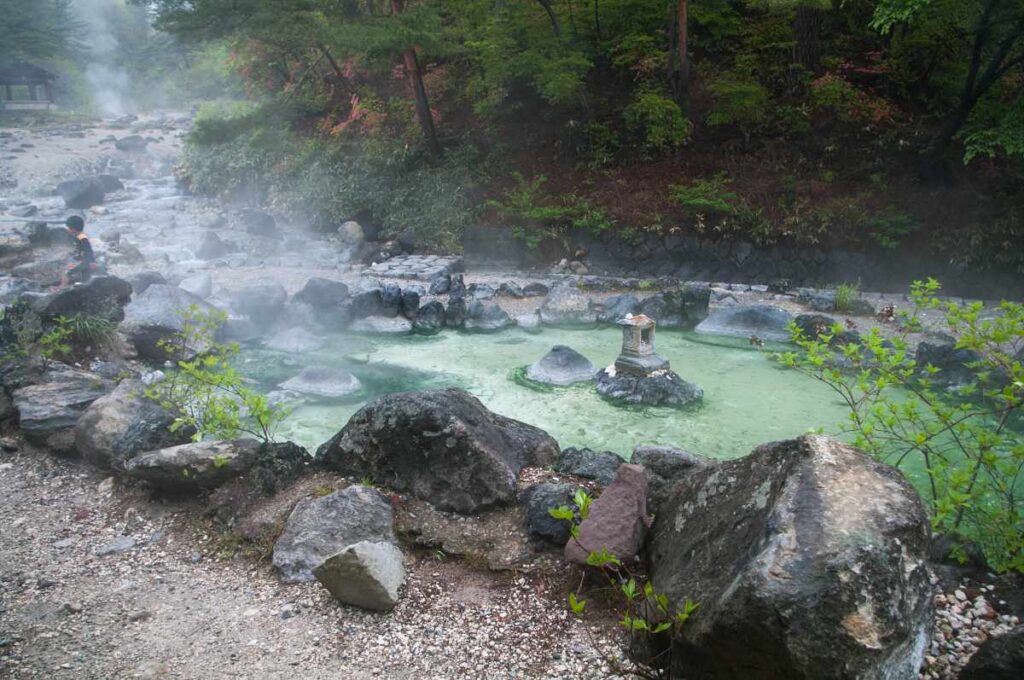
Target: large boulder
764,321
486,317
953,363
211,247
323,381
683,308
49,409
200,285
561,366
103,296
456,312
443,446
194,466
321,527
1001,657
155,316
663,466
567,306
15,249
131,144
320,293
140,281
808,559
259,223
617,307
367,574
124,423
661,388
81,193
262,304
617,519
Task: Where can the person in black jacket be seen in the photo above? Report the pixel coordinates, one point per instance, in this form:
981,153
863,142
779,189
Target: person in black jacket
80,270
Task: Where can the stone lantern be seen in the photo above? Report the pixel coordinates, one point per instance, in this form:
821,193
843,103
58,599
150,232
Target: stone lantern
637,356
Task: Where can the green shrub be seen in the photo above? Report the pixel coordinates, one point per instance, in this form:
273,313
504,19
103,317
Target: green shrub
206,392
846,296
740,102
658,119
889,228
706,196
964,449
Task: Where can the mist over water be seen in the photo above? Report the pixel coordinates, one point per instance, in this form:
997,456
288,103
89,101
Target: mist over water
109,83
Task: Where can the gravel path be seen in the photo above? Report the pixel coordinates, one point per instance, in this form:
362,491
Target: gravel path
98,582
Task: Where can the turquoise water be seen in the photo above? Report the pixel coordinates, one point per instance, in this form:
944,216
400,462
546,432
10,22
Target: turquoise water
748,399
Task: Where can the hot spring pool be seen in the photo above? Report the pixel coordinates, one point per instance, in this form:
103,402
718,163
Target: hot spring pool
748,398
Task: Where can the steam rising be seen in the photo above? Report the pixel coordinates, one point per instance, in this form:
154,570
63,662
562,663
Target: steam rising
109,84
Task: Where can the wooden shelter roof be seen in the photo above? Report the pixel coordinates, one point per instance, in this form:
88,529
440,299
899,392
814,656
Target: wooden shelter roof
24,73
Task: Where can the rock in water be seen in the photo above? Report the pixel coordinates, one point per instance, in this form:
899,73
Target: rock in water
131,143
384,325
661,388
320,293
567,306
156,315
617,307
561,366
366,574
143,280
683,308
195,466
295,341
49,410
81,193
617,519
323,381
808,559
200,285
429,318
122,424
321,527
999,658
486,318
764,321
443,446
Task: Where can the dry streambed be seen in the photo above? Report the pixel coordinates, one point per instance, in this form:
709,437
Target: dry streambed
98,581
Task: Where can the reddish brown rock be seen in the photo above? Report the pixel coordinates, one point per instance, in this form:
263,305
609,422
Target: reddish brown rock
617,519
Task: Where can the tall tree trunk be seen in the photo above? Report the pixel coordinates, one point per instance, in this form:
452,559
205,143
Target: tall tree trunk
556,28
807,26
679,59
412,69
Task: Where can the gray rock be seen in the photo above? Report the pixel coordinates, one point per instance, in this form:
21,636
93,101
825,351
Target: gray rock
49,410
295,341
617,307
1000,657
320,293
567,306
367,574
12,287
456,312
81,193
156,315
529,322
200,285
321,527
808,551
382,324
429,318
535,289
140,281
764,321
259,223
953,363
443,446
814,325
131,143
561,366
411,301
617,519
601,466
390,300
262,304
511,289
682,309
101,296
440,285
122,424
537,500
118,546
486,317
323,381
664,465
194,466
480,291
211,247
662,388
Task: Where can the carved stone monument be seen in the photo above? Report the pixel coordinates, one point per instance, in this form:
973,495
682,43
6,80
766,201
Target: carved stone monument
637,356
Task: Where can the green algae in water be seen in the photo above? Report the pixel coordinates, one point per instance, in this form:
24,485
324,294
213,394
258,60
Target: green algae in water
748,398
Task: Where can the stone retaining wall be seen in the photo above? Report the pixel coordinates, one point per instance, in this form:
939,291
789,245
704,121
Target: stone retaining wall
690,258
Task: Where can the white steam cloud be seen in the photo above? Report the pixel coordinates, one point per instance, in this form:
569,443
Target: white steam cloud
109,83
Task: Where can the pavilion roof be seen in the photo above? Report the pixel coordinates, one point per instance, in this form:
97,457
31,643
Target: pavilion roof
24,73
